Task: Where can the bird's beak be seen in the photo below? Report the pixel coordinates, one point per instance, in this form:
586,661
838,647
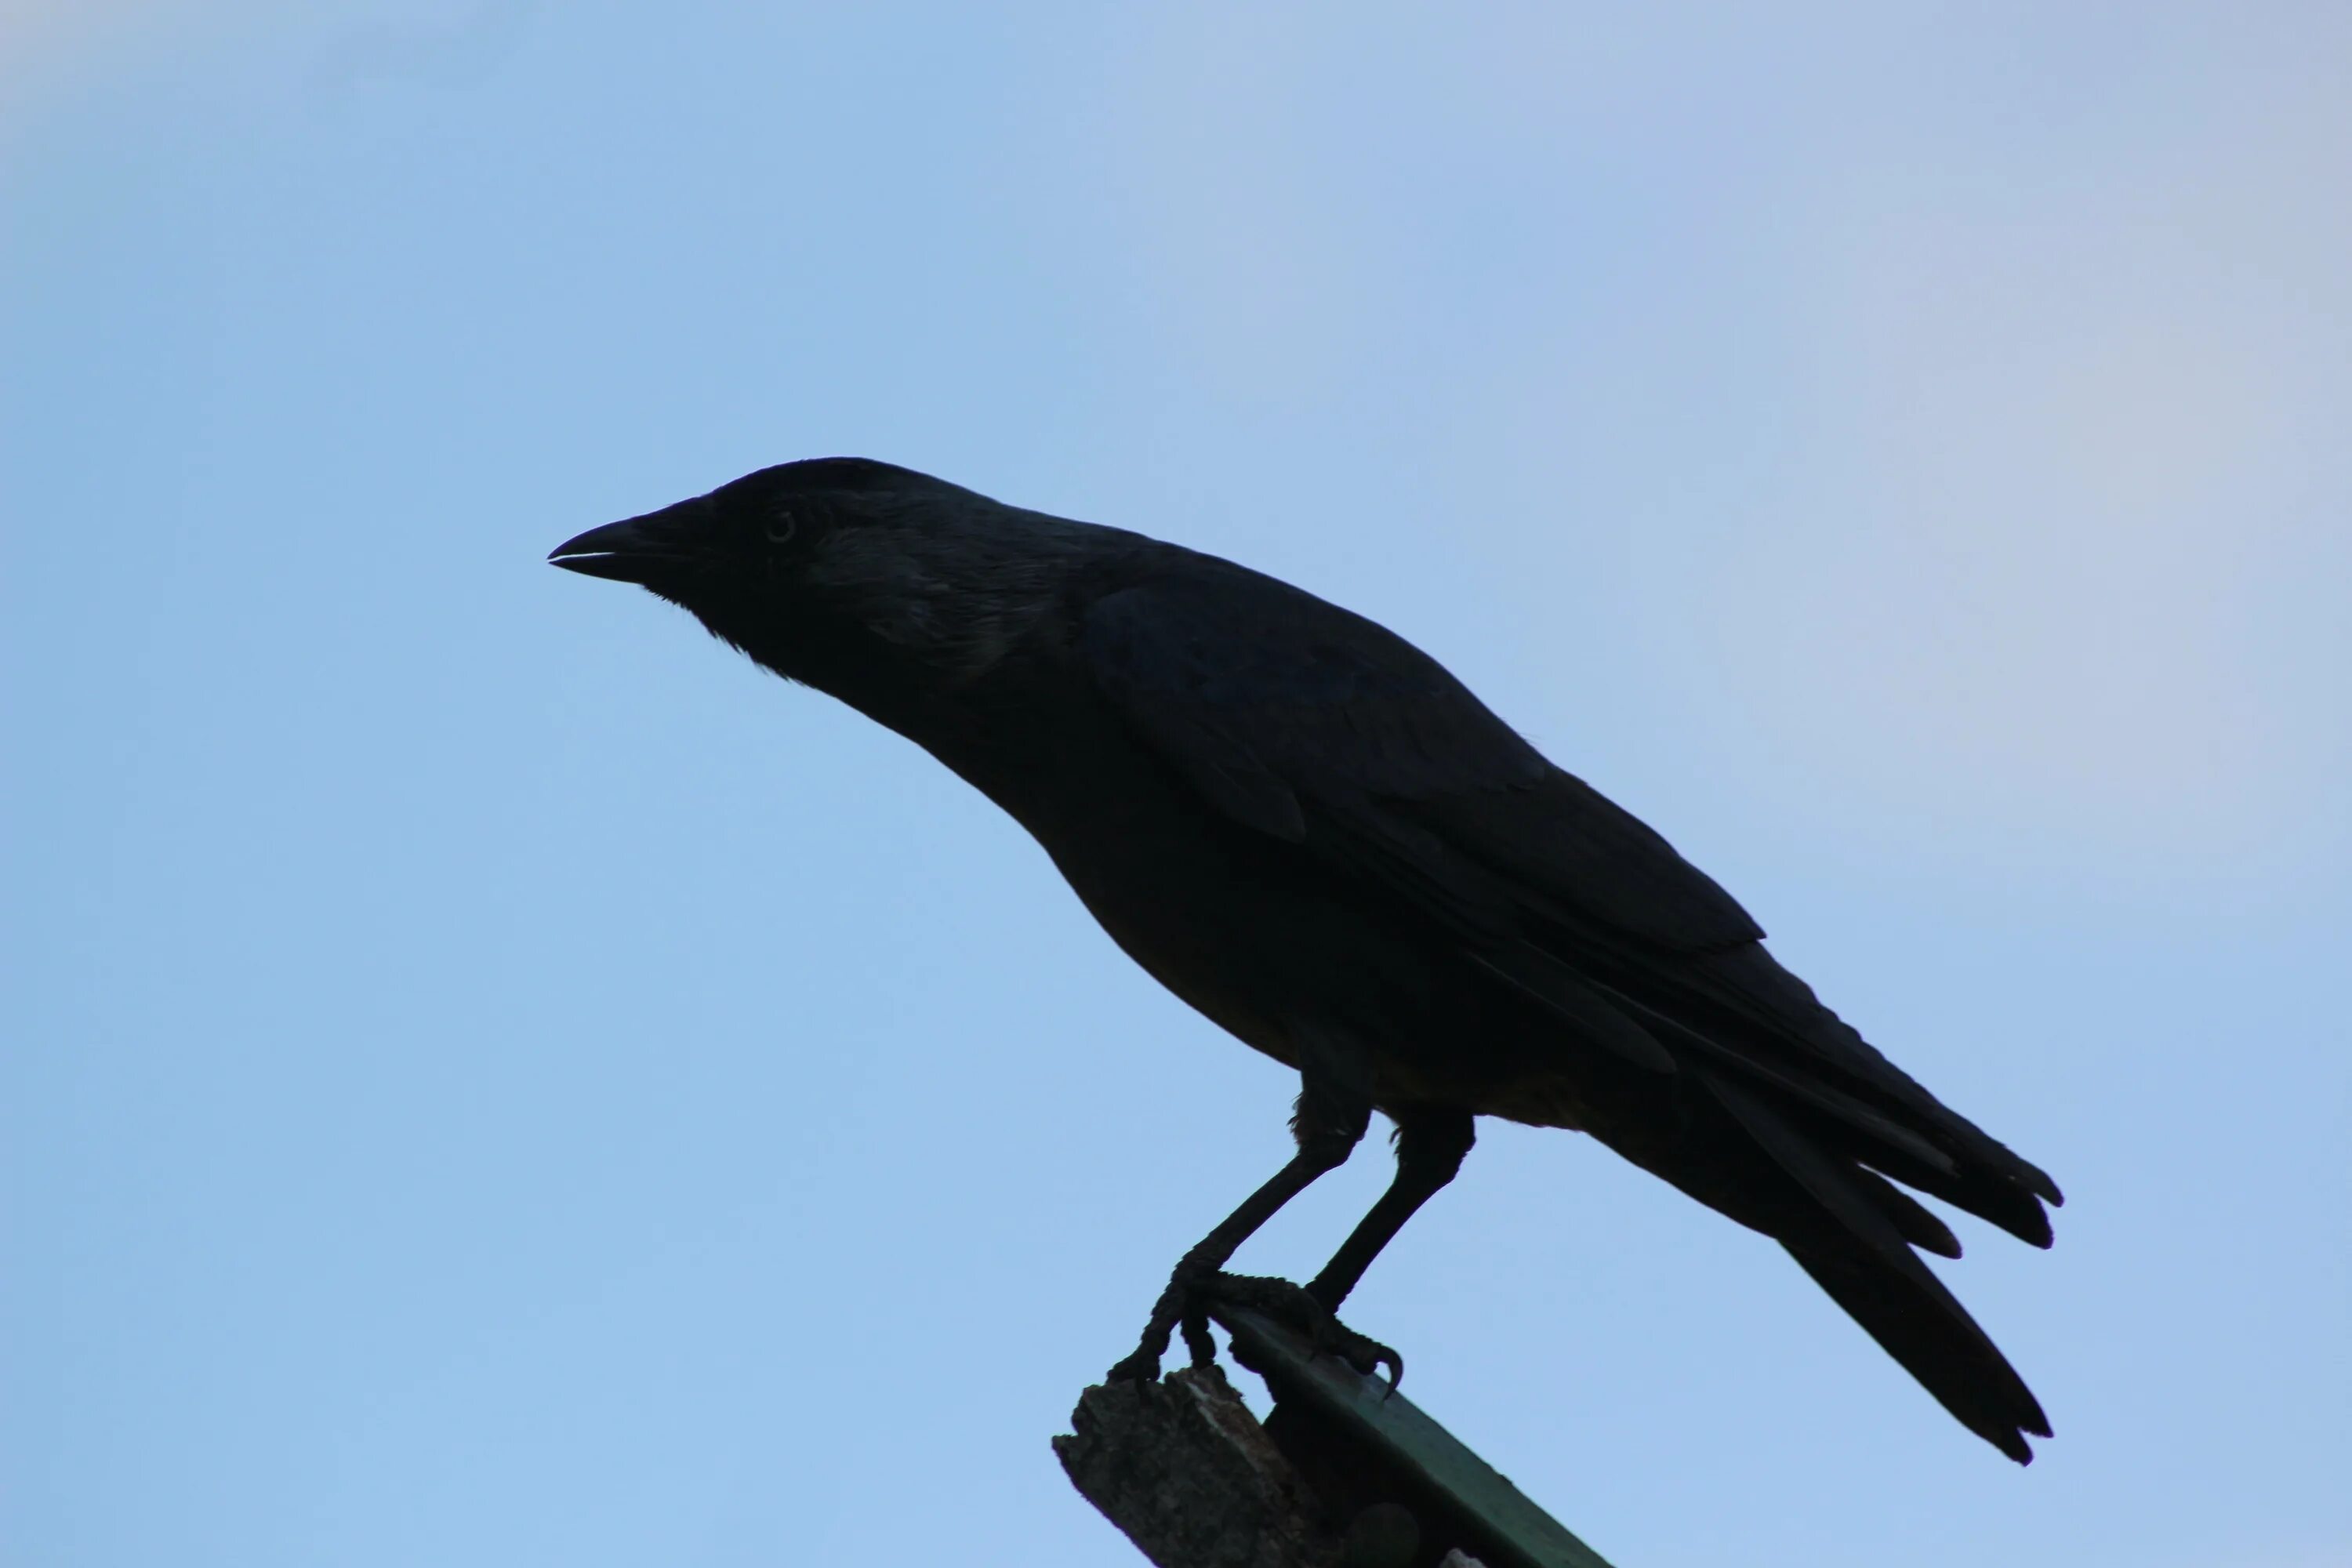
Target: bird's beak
659,545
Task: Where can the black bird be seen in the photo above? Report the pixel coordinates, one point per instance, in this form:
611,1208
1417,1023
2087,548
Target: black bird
1308,829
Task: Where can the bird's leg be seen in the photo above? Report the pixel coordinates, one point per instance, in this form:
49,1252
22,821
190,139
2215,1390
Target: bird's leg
1430,1147
1328,1125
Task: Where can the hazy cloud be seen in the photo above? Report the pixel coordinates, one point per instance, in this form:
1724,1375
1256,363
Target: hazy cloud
2067,449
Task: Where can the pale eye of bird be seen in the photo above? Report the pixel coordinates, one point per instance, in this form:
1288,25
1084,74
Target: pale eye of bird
782,527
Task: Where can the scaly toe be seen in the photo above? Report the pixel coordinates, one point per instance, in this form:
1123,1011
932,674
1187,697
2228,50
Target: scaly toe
1297,1309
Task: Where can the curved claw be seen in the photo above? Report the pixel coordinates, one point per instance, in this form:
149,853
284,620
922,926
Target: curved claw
1139,1365
1142,1364
1373,1356
1177,1306
1367,1356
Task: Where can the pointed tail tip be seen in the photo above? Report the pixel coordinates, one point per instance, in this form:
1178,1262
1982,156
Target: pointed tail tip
2047,1189
2011,1439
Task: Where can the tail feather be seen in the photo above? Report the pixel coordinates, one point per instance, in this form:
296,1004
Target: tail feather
1941,1152
1991,1199
1862,1255
1915,1320
1919,1226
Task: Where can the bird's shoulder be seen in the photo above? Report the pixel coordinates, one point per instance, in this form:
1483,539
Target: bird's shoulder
1307,683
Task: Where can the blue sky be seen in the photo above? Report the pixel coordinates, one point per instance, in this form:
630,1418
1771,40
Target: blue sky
492,1078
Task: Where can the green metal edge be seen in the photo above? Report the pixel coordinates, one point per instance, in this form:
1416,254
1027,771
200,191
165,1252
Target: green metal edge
1368,1409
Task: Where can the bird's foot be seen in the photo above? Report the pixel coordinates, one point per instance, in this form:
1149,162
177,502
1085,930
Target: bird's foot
1184,1306
1301,1311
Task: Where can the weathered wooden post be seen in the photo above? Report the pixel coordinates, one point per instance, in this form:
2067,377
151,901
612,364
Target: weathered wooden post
1344,1472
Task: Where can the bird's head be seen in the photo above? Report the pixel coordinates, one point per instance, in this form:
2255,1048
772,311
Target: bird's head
807,564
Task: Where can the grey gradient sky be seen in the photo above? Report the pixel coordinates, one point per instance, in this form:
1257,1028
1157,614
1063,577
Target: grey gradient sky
489,1078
